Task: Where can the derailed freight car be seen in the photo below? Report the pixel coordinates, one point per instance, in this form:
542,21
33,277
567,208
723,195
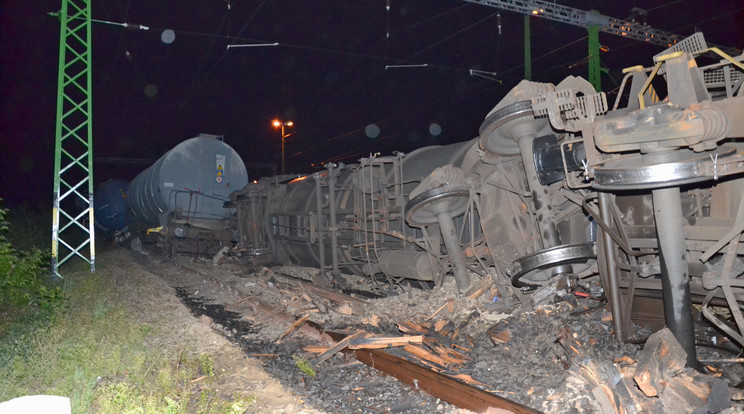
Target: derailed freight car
645,196
181,197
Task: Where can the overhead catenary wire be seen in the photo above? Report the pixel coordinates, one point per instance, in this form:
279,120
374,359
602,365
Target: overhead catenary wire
196,85
361,56
225,18
395,34
253,45
452,35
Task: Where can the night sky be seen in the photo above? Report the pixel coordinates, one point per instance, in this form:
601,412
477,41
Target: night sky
327,75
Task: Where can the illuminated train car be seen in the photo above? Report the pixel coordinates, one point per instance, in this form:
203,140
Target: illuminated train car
644,195
182,195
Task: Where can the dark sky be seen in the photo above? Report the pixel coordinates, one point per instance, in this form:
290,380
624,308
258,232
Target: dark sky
327,74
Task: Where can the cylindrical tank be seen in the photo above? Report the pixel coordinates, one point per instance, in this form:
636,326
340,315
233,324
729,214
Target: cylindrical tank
192,180
110,205
294,207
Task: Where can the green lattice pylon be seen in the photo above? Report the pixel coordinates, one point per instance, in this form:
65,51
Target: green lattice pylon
72,217
594,64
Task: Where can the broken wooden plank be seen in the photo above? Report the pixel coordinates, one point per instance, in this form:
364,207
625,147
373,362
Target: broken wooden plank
410,327
315,349
379,342
479,288
296,325
604,396
447,329
690,391
469,380
629,397
439,325
262,308
450,356
462,348
449,389
339,346
472,315
661,358
499,333
552,292
446,304
456,354
422,353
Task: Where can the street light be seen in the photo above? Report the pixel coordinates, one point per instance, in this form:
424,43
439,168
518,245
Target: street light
278,124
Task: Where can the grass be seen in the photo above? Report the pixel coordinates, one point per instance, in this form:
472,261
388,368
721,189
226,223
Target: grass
80,343
95,353
304,365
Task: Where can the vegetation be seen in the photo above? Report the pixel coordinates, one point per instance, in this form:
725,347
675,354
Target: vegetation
23,290
304,365
74,340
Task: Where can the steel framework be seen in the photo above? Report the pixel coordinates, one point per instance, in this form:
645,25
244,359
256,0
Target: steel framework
72,216
583,18
594,22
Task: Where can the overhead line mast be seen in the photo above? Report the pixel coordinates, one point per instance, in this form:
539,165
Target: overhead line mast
583,18
72,212
594,22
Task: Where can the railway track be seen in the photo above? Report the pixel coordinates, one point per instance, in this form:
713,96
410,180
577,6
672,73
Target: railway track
441,385
540,366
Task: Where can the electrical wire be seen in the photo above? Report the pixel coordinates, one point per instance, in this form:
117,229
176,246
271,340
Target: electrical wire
195,86
386,40
663,5
451,36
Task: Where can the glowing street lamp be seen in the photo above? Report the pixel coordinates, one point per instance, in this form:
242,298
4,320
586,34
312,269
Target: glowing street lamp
278,124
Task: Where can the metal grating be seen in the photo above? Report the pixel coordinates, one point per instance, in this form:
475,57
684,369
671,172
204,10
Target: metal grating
693,44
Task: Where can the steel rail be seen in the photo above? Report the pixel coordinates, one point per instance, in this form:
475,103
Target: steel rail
436,384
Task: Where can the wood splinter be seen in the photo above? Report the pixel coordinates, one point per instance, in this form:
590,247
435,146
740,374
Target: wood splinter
295,326
380,342
336,348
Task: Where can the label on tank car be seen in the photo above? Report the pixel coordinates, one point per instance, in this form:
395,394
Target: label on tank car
220,160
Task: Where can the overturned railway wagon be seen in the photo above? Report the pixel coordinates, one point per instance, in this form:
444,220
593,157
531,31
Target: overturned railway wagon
643,194
183,193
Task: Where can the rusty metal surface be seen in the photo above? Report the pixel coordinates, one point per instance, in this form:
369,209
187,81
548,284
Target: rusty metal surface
436,384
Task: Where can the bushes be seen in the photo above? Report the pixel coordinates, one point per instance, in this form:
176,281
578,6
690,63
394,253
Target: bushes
23,285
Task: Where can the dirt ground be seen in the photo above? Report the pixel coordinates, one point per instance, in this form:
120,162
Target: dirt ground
154,302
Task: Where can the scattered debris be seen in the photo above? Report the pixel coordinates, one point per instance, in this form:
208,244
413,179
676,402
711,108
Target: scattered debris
219,255
344,309
373,320
449,304
336,348
552,292
379,342
293,327
499,333
447,333
661,359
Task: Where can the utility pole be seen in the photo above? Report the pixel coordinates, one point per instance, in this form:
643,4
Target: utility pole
72,213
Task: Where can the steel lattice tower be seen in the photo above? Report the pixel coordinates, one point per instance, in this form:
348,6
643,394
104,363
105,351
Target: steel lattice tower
72,217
